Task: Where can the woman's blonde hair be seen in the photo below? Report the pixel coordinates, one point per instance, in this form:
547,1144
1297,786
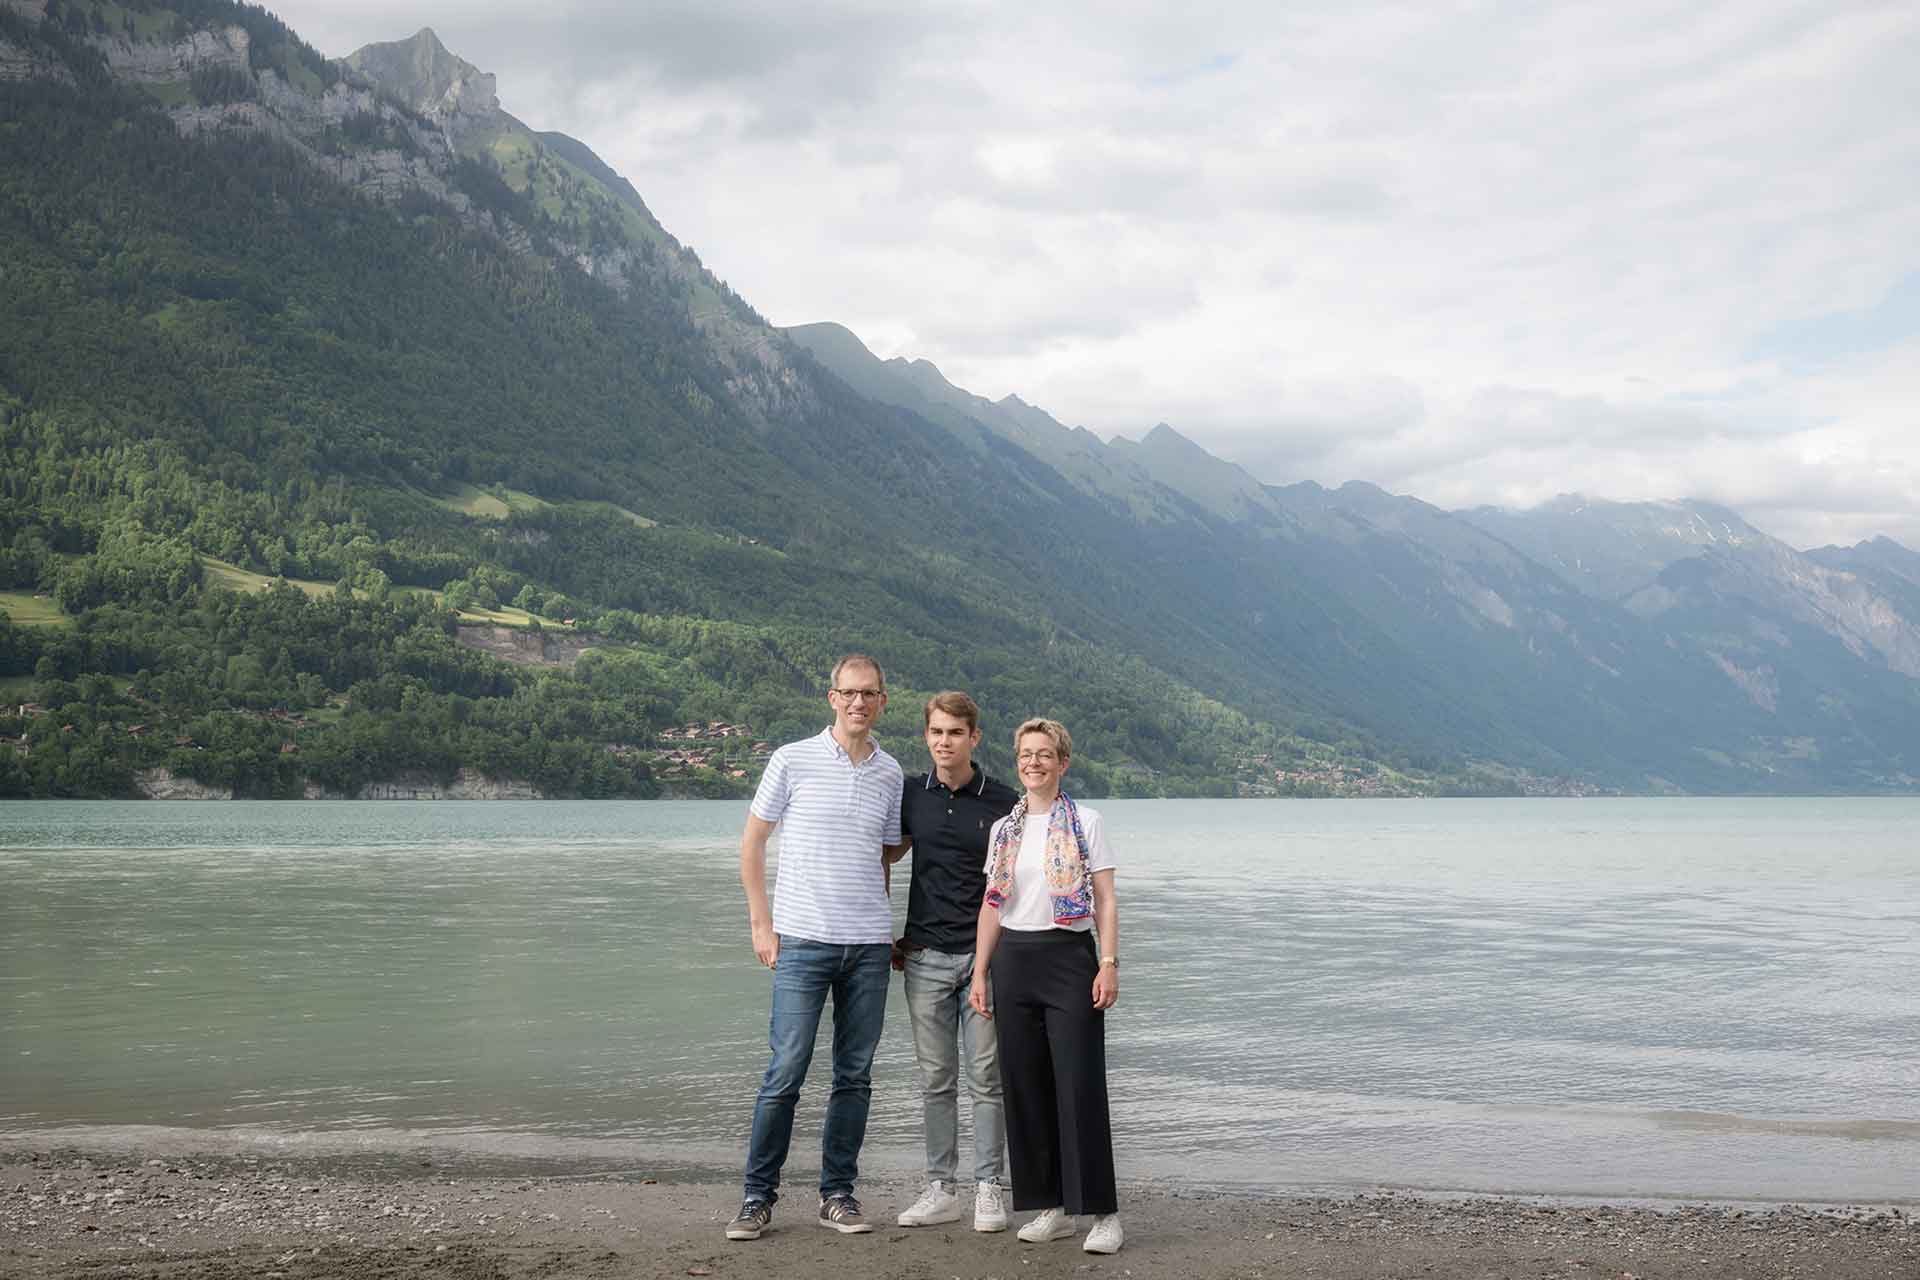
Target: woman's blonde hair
1054,731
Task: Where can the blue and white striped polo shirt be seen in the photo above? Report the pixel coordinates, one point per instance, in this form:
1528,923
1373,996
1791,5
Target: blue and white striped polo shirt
834,815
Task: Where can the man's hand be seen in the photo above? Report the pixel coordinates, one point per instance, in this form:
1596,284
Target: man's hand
766,943
753,878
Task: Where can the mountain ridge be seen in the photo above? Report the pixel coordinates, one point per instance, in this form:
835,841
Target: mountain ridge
1489,560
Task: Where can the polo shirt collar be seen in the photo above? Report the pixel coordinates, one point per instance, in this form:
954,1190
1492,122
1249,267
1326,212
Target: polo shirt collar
977,787
840,753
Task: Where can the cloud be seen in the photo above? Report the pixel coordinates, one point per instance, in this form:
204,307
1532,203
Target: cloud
1471,252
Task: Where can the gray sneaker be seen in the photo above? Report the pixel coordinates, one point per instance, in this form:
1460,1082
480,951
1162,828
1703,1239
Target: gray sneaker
753,1218
842,1213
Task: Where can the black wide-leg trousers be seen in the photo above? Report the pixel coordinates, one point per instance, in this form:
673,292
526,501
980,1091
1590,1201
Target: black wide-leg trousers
1053,1071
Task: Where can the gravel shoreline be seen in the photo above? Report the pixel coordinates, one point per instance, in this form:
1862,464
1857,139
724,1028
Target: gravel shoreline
67,1213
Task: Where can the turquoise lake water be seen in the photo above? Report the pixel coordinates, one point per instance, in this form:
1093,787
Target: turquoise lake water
1689,998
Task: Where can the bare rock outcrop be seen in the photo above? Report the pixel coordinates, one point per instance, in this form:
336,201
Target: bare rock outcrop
524,647
164,784
19,64
151,62
467,784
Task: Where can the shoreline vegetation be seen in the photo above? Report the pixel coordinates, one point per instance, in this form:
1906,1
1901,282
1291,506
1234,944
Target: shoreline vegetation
208,682
143,1214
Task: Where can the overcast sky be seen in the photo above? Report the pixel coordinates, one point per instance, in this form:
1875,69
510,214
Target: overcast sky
1472,252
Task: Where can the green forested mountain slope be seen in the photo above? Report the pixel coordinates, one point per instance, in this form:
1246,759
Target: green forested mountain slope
351,323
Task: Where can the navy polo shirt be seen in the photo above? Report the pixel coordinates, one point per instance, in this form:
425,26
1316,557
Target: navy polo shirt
949,831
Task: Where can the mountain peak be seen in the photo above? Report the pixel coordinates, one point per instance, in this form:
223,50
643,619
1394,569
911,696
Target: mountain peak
838,337
1165,436
421,72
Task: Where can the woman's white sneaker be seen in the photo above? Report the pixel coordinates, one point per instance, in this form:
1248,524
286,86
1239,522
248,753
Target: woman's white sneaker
936,1204
1051,1224
989,1207
1104,1237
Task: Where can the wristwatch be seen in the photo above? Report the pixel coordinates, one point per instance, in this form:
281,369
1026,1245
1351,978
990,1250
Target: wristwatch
1110,960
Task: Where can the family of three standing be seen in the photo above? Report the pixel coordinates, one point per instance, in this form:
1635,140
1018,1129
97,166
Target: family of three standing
1004,981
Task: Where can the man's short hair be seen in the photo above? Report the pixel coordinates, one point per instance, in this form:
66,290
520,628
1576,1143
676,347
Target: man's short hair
953,703
857,660
1053,729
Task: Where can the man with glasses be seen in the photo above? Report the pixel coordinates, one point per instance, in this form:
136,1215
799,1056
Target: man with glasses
829,930
945,819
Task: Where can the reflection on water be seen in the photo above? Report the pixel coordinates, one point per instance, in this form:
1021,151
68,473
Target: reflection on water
1693,997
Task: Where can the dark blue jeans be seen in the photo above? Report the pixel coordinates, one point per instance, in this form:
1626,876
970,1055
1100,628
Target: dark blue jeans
806,973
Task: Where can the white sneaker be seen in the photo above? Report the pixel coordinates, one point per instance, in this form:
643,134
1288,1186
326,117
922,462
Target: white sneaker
936,1204
1105,1234
989,1207
1052,1224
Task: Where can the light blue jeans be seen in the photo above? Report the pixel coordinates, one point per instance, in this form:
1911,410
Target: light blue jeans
857,978
944,1027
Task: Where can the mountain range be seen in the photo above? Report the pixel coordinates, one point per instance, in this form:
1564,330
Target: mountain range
362,321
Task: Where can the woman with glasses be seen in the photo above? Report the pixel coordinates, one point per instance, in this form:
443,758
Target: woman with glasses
1049,893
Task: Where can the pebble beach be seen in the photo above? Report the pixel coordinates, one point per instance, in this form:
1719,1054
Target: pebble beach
66,1213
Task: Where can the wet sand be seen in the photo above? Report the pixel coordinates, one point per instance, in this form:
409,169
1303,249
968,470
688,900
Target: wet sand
75,1214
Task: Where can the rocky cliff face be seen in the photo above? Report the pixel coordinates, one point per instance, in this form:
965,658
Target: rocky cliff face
523,647
164,784
426,77
307,119
153,62
397,122
1770,580
468,784
463,105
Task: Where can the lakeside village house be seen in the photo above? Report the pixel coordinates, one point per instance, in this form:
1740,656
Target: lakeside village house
676,759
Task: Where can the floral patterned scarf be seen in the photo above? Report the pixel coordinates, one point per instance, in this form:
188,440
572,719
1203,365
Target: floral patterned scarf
1068,883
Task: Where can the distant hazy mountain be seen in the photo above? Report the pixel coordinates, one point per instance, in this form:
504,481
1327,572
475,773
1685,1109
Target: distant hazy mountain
1609,549
1667,641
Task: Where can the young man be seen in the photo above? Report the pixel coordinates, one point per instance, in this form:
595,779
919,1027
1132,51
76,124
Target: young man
945,819
835,797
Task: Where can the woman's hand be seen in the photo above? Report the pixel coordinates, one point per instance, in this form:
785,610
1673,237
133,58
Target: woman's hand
1106,987
977,995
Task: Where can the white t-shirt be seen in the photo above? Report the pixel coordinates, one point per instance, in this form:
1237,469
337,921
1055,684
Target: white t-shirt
1030,907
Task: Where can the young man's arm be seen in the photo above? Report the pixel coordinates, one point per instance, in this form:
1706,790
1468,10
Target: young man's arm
892,853
753,878
985,938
